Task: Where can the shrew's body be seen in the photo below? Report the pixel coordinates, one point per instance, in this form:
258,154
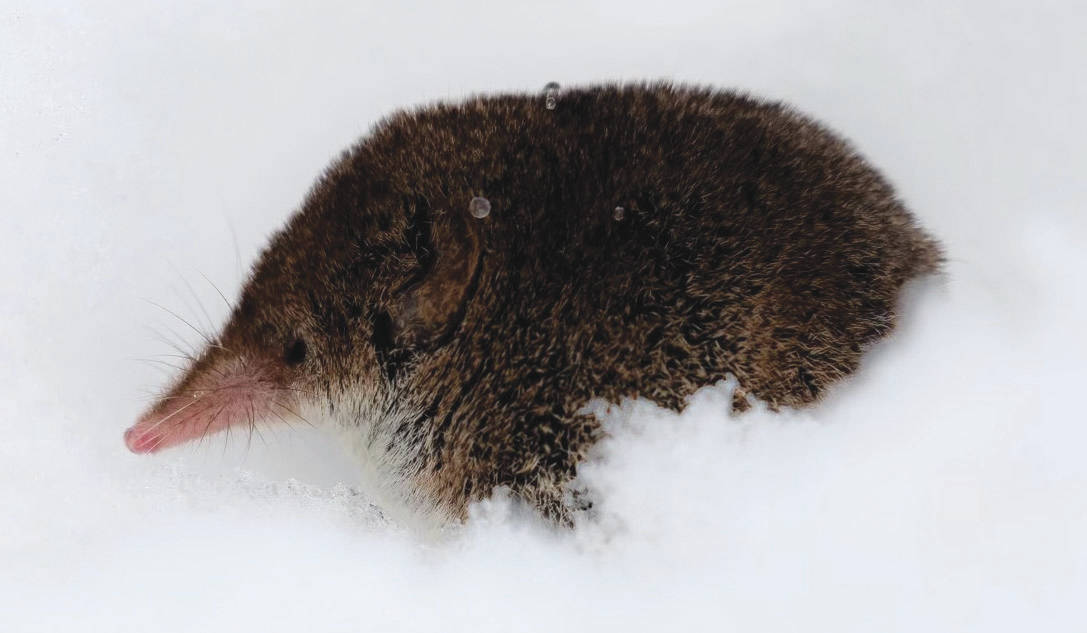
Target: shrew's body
642,240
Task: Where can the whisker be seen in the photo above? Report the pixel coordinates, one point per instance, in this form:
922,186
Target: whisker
159,423
256,427
165,371
158,440
181,348
282,419
237,250
202,334
249,416
211,421
156,362
199,303
181,356
293,412
294,389
225,349
229,305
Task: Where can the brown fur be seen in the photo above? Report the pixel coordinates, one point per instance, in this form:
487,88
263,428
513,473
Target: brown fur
753,242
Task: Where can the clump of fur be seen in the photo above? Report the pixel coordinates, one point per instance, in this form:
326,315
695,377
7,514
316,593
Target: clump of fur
753,242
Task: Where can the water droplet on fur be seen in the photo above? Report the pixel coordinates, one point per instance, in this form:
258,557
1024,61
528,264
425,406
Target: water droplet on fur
480,207
619,213
551,95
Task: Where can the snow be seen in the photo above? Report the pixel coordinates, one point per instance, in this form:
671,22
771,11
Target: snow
145,146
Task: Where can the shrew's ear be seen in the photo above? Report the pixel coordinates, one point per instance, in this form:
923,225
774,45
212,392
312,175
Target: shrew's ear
427,311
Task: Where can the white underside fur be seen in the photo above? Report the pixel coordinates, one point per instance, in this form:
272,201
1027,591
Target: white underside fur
367,422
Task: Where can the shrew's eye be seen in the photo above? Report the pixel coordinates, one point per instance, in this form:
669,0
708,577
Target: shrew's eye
295,352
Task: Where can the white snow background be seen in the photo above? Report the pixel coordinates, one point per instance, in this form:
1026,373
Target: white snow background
144,146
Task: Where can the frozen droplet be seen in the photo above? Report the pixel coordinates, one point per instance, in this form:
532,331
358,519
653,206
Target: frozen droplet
480,207
551,95
619,213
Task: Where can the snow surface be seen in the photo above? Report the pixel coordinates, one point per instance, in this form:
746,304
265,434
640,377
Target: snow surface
144,146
